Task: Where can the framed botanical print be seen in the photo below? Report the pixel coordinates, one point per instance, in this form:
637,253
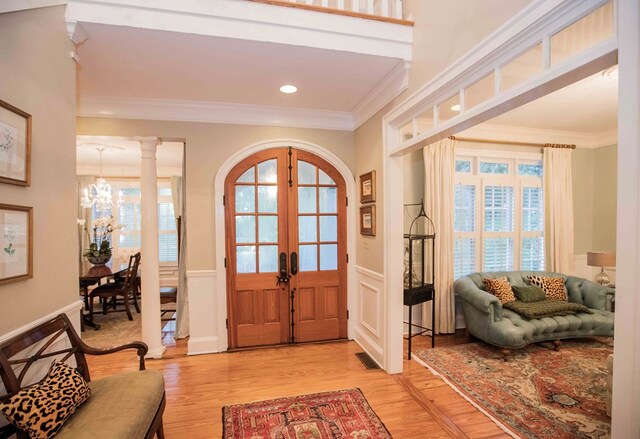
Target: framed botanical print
368,220
15,145
368,187
16,256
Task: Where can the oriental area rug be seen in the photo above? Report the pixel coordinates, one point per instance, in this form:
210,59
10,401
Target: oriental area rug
338,414
538,393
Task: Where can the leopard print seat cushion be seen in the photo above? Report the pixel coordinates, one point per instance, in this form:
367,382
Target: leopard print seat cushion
553,287
501,288
42,408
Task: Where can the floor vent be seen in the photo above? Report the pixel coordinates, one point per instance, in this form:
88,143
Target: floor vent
367,360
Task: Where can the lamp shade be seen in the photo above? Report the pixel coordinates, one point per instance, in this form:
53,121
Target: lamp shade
601,259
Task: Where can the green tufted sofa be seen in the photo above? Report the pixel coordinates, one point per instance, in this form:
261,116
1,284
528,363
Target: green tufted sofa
487,320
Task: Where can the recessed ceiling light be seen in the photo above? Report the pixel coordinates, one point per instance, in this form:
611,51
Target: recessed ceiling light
455,107
288,89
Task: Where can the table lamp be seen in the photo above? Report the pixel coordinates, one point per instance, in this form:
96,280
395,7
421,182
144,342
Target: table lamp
601,259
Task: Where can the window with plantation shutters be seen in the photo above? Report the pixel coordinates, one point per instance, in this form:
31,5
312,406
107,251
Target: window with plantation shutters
128,240
498,217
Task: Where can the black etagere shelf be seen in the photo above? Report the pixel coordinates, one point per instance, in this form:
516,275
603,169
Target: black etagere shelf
419,247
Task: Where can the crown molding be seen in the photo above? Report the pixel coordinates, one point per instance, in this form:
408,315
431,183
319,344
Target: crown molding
390,87
212,112
508,133
23,5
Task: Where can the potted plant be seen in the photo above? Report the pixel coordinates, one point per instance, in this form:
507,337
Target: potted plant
100,251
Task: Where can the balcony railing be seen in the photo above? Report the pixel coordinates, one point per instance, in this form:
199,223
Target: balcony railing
386,10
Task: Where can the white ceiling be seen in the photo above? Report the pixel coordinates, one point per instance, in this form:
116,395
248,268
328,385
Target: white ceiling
589,106
119,61
121,158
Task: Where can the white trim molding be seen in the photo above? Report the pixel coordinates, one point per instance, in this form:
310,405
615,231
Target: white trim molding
212,112
251,21
507,133
625,422
72,311
23,5
388,89
219,213
203,327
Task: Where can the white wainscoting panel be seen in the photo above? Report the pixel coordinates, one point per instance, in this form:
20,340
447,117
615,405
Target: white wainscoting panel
369,329
203,314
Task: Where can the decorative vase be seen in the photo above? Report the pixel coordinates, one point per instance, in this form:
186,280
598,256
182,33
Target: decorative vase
98,260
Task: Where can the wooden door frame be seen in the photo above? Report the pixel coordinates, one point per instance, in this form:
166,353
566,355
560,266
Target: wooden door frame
220,292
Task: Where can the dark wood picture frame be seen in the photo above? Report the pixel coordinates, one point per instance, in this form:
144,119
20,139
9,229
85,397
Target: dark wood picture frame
368,187
17,139
368,220
9,237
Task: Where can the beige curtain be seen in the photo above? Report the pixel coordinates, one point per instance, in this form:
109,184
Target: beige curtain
439,172
558,208
182,306
83,214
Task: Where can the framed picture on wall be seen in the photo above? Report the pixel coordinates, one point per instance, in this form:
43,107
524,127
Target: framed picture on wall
368,220
16,256
368,187
15,145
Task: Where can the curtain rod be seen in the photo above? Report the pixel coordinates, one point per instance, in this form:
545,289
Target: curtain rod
504,142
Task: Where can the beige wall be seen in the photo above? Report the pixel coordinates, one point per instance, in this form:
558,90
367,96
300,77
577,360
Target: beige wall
38,76
443,32
208,147
594,198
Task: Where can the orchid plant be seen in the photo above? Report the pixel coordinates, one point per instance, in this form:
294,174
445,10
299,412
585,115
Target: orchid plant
100,242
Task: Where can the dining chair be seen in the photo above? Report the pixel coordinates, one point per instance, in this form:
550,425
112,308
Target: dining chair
111,291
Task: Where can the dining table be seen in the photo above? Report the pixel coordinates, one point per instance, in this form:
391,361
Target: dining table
92,275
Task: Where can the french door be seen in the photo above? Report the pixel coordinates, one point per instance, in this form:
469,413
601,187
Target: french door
286,256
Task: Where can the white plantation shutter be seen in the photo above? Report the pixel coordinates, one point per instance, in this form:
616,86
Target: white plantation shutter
464,253
128,240
167,236
532,229
498,214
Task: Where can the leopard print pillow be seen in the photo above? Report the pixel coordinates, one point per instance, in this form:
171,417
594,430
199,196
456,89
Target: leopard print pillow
553,287
42,408
501,288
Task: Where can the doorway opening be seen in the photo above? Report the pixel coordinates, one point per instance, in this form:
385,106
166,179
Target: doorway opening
286,249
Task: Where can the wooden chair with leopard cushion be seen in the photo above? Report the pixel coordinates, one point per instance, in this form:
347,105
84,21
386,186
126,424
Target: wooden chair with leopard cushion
124,405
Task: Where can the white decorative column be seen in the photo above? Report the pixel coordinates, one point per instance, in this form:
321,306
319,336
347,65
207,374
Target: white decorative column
150,264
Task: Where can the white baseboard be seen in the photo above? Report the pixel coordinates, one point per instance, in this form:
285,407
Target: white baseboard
202,345
369,346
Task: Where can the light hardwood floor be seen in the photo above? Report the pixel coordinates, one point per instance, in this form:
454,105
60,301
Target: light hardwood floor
415,404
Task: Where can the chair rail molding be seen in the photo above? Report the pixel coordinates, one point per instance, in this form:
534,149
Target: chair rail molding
219,214
72,311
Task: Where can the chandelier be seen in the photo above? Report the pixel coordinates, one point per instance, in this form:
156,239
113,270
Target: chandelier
100,194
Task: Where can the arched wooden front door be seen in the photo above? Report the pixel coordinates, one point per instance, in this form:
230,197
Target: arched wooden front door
286,249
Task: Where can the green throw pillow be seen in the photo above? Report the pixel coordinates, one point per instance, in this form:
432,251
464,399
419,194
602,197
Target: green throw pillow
529,293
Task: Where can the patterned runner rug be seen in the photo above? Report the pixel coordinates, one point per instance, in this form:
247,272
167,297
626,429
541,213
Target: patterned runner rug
539,393
338,414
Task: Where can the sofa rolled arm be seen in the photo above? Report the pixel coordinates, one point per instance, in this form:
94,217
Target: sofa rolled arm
596,296
479,299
